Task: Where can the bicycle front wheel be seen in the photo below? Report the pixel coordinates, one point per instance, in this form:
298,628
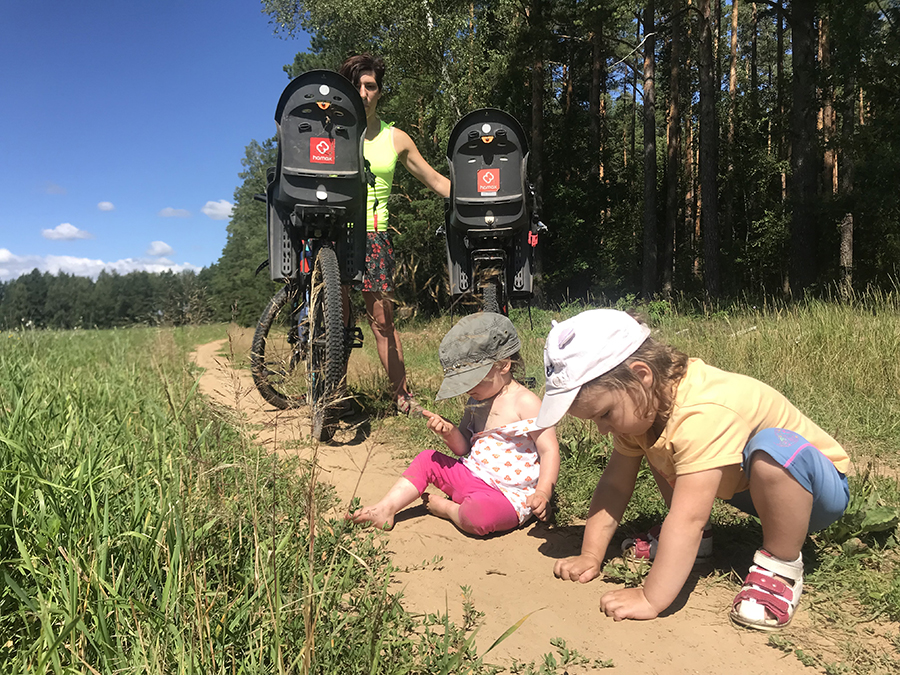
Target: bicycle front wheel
277,355
326,356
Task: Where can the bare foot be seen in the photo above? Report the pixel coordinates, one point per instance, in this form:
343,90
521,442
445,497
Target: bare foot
372,515
440,506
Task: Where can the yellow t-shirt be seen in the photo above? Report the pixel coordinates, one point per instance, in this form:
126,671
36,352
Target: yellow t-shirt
714,415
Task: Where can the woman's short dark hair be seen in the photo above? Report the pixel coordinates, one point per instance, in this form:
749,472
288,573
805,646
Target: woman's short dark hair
354,67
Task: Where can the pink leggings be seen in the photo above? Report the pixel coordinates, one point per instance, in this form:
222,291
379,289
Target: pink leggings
483,509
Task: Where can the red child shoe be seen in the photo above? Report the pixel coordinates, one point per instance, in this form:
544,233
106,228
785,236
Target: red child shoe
643,546
770,594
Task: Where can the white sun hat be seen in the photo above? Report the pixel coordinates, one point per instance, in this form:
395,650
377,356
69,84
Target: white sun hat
582,349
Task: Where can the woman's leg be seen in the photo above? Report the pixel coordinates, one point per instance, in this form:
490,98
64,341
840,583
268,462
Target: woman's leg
380,312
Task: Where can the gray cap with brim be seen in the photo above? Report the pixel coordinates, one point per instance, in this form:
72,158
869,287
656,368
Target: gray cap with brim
471,347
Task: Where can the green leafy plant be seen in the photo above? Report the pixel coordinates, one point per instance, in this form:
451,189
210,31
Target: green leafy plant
867,513
554,664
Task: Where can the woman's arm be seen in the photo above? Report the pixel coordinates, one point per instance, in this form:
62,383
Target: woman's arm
548,451
679,540
412,159
610,498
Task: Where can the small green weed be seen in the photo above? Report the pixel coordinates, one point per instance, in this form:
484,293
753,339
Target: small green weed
434,563
471,616
553,665
626,572
780,642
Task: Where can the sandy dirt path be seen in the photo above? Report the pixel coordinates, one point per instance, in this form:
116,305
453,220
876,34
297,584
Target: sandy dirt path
510,576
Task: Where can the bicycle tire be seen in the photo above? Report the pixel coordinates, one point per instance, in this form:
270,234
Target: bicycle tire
276,355
326,356
492,299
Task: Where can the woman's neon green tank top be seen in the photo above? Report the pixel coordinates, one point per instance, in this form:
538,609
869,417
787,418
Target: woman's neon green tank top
382,161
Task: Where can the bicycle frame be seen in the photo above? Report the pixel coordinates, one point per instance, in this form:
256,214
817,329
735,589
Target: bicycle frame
315,219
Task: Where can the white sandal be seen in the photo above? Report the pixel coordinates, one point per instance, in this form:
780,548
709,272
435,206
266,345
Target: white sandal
766,602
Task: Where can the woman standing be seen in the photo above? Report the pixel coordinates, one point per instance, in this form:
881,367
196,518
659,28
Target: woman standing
384,145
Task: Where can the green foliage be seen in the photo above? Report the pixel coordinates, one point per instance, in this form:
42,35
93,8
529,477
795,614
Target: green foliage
140,532
446,59
38,300
238,293
554,665
867,513
582,459
583,122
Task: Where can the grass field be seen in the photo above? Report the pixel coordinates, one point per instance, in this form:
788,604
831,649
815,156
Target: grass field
140,531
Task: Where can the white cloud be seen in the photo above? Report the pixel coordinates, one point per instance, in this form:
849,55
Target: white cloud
106,206
66,232
169,212
159,248
54,189
12,266
220,210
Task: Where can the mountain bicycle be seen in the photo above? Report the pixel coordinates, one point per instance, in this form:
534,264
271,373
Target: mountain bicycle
491,223
315,217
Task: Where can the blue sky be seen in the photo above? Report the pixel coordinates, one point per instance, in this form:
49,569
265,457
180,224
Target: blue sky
122,129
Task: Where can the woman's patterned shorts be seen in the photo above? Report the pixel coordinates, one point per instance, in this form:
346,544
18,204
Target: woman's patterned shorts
379,277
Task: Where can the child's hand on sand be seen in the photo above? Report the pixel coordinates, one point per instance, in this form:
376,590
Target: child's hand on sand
627,603
438,424
582,568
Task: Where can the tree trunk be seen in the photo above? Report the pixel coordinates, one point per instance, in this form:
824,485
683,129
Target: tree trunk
732,76
846,187
804,239
597,113
829,163
779,94
754,69
708,159
673,152
598,75
717,41
634,94
691,205
648,284
732,122
594,103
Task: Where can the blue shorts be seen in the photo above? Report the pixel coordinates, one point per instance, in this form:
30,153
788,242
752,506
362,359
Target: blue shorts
806,463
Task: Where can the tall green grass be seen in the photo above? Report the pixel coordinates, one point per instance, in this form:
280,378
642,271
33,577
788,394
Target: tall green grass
140,532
